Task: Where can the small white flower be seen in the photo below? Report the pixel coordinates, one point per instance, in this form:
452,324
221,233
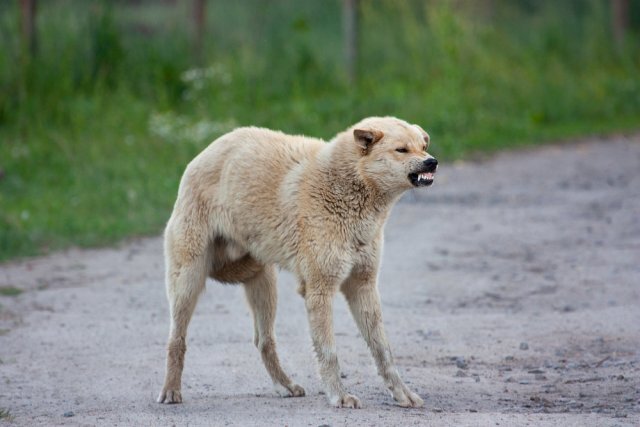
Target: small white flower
175,128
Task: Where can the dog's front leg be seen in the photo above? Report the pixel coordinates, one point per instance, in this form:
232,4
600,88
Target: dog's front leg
319,304
362,295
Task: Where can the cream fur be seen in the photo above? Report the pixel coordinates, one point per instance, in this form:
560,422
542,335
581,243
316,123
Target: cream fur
257,198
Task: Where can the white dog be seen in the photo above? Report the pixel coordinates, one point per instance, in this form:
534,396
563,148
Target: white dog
257,198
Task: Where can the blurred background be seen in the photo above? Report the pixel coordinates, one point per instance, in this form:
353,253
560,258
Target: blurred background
103,103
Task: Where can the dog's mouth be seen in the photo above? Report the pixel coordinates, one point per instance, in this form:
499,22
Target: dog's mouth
421,179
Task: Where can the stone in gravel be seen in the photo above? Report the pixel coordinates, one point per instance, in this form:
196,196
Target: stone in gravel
461,363
461,373
509,358
68,414
437,409
524,346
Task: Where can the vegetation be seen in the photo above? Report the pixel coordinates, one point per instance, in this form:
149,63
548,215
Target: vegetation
9,291
5,414
97,126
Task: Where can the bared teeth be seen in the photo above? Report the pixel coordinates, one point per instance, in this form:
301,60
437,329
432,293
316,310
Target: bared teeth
424,176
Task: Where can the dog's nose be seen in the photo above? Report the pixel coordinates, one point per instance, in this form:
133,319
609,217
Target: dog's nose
431,164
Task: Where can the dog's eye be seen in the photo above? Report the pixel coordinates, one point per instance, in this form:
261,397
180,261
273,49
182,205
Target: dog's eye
402,150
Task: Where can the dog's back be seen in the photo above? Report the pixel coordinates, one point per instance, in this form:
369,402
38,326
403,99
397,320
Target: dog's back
250,170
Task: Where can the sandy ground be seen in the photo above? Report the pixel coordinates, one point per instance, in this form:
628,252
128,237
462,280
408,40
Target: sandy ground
511,295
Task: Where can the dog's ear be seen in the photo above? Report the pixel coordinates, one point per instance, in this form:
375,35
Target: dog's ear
425,136
365,138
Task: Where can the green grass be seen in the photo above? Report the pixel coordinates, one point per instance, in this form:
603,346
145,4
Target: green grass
9,291
5,414
96,129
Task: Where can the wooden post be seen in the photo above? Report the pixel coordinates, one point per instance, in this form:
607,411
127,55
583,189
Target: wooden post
28,24
199,19
619,20
350,32
490,10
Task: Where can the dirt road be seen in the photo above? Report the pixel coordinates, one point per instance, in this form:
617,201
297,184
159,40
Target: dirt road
511,295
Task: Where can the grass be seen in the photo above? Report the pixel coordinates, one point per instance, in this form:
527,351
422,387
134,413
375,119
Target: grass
5,414
9,291
96,129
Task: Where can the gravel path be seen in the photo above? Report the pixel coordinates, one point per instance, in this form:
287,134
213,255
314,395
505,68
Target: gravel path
511,295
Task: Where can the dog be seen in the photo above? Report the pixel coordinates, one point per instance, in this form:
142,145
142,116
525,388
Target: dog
255,199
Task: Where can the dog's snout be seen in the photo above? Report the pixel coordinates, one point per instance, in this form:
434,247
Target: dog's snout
431,163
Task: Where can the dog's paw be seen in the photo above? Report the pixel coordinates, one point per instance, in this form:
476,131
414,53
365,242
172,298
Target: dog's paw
292,390
170,396
346,401
296,390
407,399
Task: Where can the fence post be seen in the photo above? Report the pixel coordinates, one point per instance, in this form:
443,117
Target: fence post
619,20
350,32
28,24
199,20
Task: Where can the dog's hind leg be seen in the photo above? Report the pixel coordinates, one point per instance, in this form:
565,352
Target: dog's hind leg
187,267
262,297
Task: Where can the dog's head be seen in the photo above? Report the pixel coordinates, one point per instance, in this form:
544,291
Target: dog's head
393,153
